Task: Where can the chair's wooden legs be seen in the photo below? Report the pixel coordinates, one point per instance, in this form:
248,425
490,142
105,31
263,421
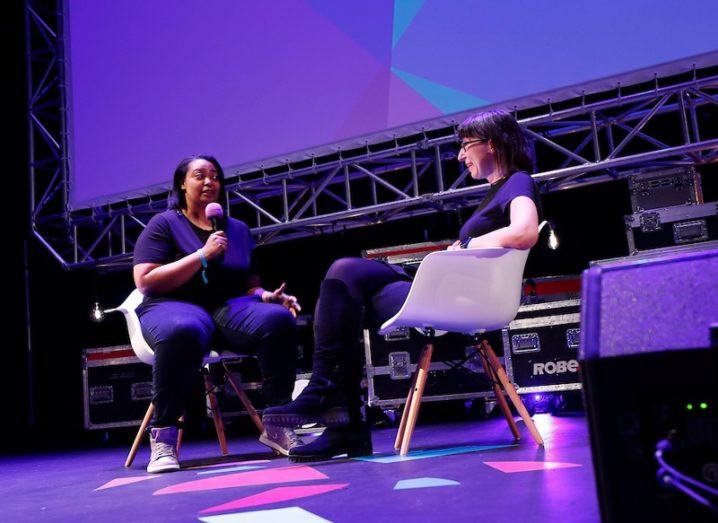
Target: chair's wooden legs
500,397
405,414
245,401
140,435
506,384
413,401
218,425
180,434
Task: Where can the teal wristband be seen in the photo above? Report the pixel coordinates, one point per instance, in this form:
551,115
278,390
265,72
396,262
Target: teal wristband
203,261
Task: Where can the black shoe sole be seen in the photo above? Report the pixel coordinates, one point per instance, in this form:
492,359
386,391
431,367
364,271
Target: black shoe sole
359,452
332,417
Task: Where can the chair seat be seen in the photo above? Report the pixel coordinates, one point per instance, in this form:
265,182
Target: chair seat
142,349
467,291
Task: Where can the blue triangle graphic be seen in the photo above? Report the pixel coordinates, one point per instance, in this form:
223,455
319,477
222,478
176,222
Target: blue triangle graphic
434,453
446,99
404,13
367,24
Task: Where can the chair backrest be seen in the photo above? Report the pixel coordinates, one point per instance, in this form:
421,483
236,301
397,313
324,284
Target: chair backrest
128,308
466,291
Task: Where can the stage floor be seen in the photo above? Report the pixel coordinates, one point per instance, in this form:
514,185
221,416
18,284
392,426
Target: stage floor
456,472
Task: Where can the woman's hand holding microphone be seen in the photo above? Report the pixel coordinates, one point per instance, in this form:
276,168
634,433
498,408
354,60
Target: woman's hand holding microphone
215,246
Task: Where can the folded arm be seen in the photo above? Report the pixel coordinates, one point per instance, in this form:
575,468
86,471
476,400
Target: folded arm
521,233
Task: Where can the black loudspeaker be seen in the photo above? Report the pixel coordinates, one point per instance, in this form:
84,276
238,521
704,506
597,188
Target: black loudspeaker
650,368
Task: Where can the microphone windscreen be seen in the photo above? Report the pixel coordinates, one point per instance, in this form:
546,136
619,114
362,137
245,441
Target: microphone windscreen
214,211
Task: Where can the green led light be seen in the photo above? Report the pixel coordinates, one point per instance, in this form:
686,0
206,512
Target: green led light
704,406
689,406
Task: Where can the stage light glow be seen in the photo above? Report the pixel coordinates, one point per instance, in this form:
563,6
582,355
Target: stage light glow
553,240
704,406
97,314
689,406
552,237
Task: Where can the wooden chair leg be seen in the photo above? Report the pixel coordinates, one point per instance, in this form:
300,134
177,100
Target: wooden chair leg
180,434
218,425
422,373
140,435
511,392
245,401
500,397
404,415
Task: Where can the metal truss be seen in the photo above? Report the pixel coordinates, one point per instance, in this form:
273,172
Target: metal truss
582,141
46,127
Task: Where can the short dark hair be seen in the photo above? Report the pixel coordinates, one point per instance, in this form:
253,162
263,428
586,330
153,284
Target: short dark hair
506,136
177,197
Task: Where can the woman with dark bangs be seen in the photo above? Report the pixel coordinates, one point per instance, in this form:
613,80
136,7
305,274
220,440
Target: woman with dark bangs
493,147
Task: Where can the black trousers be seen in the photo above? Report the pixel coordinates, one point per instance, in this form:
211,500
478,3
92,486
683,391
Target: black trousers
182,333
374,287
379,287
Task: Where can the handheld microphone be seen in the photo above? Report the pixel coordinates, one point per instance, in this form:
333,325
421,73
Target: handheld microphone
214,213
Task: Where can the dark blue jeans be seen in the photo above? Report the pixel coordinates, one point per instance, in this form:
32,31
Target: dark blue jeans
182,333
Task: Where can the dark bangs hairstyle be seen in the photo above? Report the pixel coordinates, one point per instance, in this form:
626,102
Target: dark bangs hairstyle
506,136
177,196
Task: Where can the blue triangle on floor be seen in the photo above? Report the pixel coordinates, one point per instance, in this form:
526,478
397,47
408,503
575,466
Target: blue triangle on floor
423,454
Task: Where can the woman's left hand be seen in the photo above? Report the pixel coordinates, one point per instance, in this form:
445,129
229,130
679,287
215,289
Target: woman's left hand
454,246
286,300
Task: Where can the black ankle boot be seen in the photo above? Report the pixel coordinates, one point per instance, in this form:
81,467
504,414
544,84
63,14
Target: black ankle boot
337,324
352,439
320,402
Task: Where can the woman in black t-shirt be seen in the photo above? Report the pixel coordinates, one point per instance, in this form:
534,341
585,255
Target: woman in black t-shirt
493,147
201,289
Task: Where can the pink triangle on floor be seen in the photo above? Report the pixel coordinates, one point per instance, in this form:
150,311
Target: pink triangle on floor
245,479
277,495
510,467
118,482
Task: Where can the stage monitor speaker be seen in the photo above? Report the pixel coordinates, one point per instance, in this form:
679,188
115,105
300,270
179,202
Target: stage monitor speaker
649,368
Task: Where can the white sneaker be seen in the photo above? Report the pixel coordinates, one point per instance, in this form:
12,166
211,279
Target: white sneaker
280,439
163,444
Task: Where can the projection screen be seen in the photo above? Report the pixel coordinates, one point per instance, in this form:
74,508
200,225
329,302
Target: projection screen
259,83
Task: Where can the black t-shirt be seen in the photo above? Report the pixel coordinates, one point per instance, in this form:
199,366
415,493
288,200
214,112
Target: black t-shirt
494,210
170,236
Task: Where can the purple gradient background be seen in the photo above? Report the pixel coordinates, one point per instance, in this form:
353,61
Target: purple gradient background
151,82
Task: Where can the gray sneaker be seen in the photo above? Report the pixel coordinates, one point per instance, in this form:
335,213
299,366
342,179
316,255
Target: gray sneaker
281,439
163,444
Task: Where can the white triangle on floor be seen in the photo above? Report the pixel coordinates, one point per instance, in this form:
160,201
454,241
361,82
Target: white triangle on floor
285,515
424,483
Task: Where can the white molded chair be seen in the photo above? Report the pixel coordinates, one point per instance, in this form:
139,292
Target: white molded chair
145,353
469,291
